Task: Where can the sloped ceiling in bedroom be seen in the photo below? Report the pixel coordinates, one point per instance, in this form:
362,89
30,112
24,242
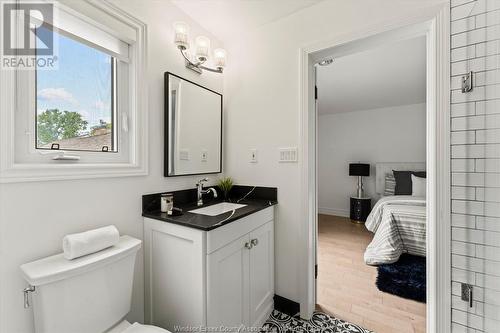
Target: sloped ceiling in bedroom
390,75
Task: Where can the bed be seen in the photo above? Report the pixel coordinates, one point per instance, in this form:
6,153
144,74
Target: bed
398,222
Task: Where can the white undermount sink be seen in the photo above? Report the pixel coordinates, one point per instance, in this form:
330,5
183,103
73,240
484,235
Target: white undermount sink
217,209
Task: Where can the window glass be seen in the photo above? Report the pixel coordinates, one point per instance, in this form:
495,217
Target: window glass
75,101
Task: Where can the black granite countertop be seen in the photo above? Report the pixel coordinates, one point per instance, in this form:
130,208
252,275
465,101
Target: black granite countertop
255,199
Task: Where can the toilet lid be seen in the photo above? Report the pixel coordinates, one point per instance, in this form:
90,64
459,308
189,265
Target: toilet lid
139,328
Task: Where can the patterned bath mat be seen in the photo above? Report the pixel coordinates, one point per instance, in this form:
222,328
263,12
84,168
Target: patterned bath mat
319,323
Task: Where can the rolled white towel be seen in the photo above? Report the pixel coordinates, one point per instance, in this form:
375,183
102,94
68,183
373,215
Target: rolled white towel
77,245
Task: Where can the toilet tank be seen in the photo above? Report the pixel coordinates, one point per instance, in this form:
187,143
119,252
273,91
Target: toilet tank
89,294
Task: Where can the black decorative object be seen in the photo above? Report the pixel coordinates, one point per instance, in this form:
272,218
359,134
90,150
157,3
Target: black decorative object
405,278
359,170
360,209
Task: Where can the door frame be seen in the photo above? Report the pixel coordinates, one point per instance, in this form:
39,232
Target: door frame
434,24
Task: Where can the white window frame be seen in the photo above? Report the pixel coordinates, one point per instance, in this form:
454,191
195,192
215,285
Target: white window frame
20,161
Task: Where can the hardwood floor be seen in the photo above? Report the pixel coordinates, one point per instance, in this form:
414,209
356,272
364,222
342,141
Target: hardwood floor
346,285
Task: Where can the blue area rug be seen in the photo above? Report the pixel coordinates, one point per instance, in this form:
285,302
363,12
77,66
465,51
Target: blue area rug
405,278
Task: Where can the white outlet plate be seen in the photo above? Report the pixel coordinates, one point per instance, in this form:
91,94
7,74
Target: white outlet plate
253,156
204,155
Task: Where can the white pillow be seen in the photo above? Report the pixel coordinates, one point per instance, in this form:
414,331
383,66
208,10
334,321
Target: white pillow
419,186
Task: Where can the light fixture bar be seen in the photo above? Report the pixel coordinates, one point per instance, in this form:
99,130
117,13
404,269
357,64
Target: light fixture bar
218,70
194,68
198,66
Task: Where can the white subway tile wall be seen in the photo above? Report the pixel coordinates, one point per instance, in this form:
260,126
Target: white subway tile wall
475,164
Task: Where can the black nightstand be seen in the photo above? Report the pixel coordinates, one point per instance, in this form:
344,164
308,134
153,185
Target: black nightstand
360,209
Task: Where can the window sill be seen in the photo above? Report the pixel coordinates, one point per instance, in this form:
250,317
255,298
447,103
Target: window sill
19,173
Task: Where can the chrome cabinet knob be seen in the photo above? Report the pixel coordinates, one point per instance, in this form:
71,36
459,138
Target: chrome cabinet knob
248,245
254,242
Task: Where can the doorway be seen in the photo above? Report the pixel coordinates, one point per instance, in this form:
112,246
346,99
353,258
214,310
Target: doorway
371,109
434,26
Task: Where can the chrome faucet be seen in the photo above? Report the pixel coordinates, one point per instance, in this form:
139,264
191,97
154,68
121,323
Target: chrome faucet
200,191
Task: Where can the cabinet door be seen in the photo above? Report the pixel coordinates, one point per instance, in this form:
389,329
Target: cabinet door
261,273
174,275
227,285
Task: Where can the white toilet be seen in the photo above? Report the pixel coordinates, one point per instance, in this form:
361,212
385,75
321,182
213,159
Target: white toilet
90,294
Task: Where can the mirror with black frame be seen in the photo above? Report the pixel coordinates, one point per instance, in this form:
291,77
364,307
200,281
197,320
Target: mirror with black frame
193,128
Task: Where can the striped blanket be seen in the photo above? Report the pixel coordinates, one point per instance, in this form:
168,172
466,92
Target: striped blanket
399,224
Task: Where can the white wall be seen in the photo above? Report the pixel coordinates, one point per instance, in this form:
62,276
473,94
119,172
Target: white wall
34,217
475,153
395,134
262,108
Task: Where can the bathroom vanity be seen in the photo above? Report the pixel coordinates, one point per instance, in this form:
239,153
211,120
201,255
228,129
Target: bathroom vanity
211,267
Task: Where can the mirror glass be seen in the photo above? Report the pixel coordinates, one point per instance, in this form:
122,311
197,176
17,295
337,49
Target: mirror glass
193,128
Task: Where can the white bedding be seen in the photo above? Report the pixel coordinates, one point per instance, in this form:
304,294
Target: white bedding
399,225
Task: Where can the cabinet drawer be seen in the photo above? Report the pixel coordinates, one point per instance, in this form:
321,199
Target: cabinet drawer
219,237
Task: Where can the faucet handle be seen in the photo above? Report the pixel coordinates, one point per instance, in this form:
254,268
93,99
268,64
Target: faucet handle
201,181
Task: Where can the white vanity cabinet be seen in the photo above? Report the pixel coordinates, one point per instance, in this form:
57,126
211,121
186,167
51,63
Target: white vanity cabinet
222,277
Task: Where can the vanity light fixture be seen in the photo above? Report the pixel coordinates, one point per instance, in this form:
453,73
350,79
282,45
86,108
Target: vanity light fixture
202,50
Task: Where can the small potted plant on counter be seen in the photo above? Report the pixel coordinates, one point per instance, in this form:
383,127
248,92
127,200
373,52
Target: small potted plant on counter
225,184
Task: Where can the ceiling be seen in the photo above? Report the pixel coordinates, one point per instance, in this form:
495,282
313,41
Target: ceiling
390,75
229,20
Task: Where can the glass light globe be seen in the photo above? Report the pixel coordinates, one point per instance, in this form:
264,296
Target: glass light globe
220,58
202,48
181,35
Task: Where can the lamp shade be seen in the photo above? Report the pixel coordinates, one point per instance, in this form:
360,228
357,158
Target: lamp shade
359,169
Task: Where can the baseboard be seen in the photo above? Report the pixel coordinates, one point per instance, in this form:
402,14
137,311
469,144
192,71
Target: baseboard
286,306
334,211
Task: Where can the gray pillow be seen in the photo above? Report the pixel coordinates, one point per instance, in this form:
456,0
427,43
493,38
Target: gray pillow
403,181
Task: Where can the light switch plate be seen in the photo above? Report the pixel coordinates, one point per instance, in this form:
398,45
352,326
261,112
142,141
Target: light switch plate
288,155
253,156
